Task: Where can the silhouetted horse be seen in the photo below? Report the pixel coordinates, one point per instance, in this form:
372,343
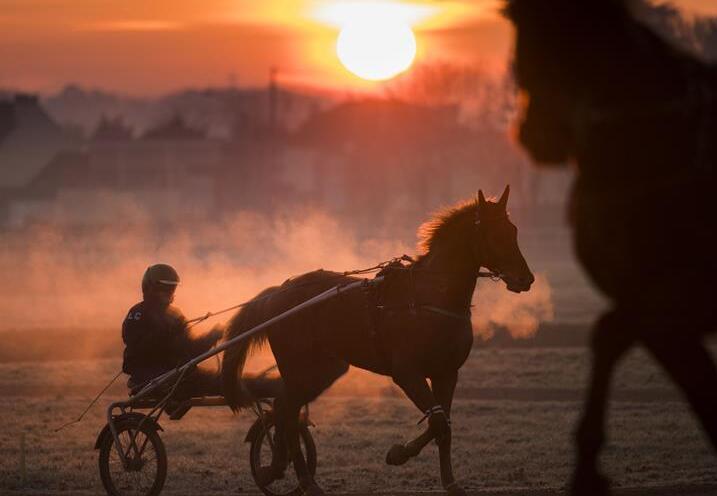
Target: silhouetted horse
414,325
637,117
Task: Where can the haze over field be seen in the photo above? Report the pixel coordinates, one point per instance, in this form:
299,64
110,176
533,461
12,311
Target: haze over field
87,280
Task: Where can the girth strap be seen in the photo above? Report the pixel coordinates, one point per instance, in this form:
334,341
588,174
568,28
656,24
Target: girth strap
447,313
430,308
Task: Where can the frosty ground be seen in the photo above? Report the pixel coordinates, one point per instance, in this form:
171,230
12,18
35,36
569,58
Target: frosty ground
513,415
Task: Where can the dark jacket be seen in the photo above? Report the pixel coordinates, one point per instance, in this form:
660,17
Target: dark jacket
156,341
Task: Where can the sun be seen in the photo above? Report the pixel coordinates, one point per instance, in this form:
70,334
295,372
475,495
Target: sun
375,37
376,50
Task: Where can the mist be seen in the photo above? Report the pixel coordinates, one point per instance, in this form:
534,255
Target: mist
59,279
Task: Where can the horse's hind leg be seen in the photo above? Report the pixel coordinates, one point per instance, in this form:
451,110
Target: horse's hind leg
610,340
279,460
305,378
306,480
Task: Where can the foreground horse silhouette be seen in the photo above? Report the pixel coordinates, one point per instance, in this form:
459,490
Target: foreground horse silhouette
415,325
638,118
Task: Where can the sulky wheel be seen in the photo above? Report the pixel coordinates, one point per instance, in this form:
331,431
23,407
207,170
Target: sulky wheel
260,454
146,460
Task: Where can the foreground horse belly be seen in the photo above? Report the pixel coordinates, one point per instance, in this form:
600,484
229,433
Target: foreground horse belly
638,251
600,248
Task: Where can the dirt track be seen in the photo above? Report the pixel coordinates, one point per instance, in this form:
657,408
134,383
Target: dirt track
706,490
513,417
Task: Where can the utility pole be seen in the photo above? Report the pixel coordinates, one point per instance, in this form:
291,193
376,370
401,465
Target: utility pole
273,100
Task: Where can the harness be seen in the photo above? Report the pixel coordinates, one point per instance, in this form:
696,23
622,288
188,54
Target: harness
377,308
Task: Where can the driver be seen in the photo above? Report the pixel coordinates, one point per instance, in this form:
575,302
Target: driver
157,340
156,336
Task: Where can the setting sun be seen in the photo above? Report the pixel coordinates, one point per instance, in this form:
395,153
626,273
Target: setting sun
375,40
377,50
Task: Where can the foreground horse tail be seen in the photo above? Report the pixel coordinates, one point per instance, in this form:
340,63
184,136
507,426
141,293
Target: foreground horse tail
235,393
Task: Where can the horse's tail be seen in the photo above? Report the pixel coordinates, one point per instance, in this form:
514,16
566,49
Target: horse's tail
235,392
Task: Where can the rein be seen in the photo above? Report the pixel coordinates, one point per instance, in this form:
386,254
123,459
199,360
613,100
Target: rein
395,263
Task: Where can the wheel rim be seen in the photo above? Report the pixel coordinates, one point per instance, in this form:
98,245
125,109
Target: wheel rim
140,476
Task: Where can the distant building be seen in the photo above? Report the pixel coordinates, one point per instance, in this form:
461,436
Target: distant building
29,140
112,130
390,156
364,160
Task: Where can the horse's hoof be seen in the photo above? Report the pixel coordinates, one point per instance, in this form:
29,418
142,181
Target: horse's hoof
267,475
313,490
397,455
455,490
589,483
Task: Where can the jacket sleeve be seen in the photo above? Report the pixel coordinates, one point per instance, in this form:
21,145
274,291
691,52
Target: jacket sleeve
188,347
184,347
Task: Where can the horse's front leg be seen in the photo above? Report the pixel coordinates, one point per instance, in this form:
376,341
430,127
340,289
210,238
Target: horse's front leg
443,389
416,388
414,384
401,453
611,339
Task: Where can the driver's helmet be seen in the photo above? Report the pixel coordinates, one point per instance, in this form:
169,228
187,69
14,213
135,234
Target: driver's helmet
159,275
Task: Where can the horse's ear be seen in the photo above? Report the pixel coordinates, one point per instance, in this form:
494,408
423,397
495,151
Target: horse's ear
503,202
481,198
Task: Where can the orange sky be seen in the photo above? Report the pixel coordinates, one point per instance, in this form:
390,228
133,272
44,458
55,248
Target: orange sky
150,47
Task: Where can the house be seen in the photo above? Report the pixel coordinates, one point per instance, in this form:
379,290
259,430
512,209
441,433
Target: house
29,140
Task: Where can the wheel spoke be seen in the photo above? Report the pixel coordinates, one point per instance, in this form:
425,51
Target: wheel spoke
141,472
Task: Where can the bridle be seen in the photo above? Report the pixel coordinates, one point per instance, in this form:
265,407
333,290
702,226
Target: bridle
492,274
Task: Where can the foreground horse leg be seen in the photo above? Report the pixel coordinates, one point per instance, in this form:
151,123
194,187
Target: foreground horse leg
690,365
610,340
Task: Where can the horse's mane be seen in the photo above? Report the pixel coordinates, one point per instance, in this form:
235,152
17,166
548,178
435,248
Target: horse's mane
444,224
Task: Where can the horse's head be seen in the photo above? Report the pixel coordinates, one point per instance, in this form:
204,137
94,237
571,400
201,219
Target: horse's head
495,243
563,51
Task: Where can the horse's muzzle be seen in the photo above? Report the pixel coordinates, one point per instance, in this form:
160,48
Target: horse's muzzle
519,284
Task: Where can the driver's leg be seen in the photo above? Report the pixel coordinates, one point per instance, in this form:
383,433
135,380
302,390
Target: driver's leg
201,382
